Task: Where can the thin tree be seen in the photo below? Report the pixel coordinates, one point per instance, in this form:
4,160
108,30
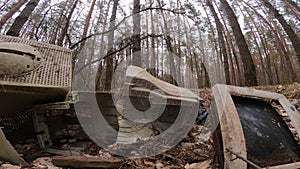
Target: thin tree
152,53
294,4
66,27
101,71
11,12
87,22
36,17
63,9
4,4
168,41
294,8
22,18
248,64
287,28
255,40
221,41
136,39
234,72
213,40
280,41
110,59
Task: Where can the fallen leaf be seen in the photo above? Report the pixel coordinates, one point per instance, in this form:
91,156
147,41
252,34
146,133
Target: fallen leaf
149,163
202,165
9,166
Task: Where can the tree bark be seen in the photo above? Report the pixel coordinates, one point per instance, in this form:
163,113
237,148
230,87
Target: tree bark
221,41
22,18
248,64
152,48
53,37
11,12
110,59
258,49
287,28
294,8
4,4
293,4
169,47
136,39
66,27
87,22
101,70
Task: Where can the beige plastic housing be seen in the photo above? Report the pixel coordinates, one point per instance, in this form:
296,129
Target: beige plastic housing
17,58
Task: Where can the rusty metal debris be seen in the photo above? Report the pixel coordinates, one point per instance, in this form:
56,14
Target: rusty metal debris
42,85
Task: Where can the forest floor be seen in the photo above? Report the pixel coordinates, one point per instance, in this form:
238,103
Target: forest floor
195,151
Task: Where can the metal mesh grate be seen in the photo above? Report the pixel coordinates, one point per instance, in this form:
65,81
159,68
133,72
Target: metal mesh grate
56,71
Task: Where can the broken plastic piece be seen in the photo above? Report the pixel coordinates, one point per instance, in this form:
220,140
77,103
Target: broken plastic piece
8,153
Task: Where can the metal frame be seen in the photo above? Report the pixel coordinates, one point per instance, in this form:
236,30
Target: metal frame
231,129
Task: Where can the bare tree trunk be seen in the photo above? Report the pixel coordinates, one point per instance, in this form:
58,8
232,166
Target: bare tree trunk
212,30
179,75
268,61
152,50
66,27
221,41
287,28
293,4
196,60
285,55
294,8
37,19
280,42
206,77
87,23
249,67
110,59
170,50
4,4
147,58
22,18
11,12
235,73
136,39
260,55
100,69
53,37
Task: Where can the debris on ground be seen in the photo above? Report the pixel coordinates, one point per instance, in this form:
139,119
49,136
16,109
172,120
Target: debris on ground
43,163
204,164
195,151
87,161
9,166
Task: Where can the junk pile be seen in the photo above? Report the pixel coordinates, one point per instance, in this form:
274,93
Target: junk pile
37,103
